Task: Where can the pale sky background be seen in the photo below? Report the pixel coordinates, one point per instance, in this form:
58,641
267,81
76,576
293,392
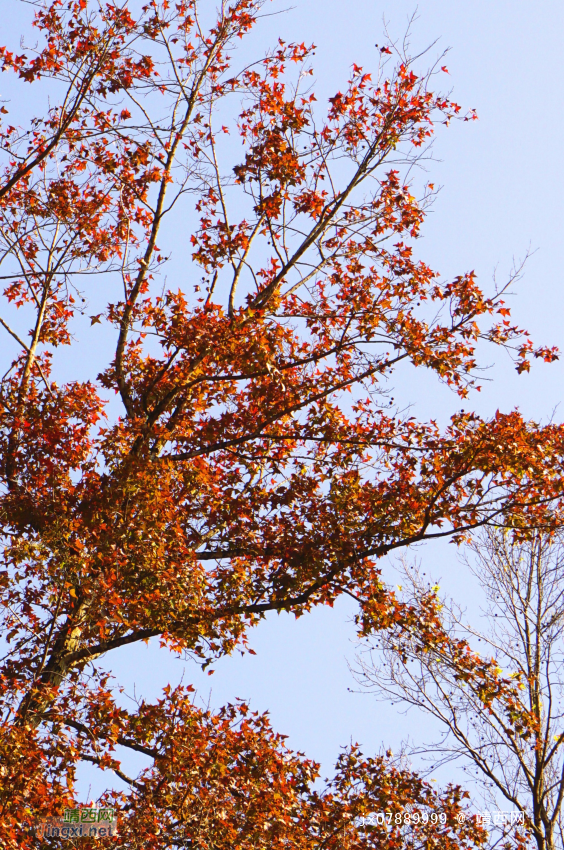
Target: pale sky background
503,194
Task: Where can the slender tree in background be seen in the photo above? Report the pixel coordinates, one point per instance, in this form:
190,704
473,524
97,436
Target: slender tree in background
256,463
521,766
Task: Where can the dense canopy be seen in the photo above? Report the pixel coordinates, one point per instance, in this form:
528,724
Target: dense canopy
257,460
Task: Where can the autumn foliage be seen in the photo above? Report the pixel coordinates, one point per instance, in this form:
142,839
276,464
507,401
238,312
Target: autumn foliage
256,461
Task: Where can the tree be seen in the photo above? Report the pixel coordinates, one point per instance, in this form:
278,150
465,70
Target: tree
257,462
518,755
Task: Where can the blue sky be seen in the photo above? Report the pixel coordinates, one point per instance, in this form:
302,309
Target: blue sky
502,195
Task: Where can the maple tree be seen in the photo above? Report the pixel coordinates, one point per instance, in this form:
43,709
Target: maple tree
257,462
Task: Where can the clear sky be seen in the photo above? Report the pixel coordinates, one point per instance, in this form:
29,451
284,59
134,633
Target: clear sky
503,179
